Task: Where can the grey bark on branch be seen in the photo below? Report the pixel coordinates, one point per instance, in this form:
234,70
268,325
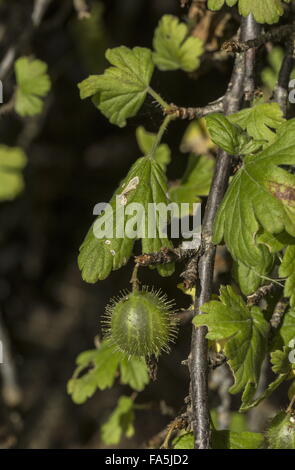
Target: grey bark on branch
275,34
198,359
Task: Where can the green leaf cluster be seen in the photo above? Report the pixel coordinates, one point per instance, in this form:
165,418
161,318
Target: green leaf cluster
98,369
230,136
279,358
244,331
264,11
259,204
260,121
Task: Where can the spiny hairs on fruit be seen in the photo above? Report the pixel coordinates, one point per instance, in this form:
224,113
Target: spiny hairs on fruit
140,323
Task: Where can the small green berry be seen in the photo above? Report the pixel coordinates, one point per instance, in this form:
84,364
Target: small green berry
140,323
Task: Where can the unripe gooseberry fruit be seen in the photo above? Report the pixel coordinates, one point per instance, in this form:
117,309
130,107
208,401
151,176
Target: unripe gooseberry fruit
139,323
281,432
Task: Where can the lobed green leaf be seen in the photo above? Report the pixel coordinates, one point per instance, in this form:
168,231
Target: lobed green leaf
264,11
260,121
33,83
98,369
174,48
121,90
245,332
260,197
231,137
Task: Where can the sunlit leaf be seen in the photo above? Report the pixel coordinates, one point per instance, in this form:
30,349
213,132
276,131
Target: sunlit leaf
98,369
100,254
260,196
174,48
121,90
260,121
264,11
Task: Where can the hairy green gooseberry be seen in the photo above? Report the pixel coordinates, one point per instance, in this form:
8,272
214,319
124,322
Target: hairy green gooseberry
139,323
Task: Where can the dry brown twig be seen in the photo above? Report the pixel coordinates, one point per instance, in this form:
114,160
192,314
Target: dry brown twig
39,10
82,9
183,3
279,312
262,292
276,34
179,112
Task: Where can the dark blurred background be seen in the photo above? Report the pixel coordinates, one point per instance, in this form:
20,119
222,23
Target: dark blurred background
76,159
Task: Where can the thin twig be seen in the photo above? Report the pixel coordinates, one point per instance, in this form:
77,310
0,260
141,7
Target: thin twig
198,360
278,313
183,316
190,274
164,256
171,255
7,61
179,112
275,34
250,56
11,391
291,404
82,9
255,299
180,422
8,107
40,7
39,10
134,281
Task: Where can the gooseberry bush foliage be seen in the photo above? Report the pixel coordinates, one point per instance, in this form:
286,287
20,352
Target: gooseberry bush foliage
32,85
252,319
